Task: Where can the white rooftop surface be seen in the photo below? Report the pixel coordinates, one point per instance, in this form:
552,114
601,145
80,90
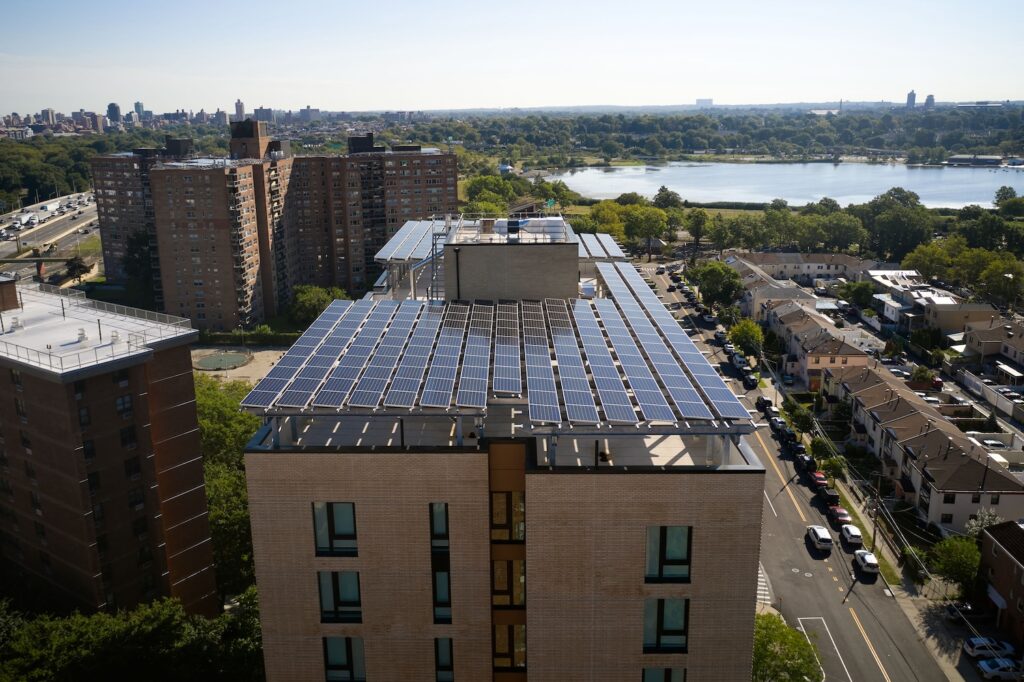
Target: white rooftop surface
547,230
48,338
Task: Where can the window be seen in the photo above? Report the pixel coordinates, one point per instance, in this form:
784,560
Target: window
129,440
79,388
442,588
946,518
976,498
665,625
140,528
664,675
26,443
136,499
334,525
443,662
508,516
339,597
994,499
123,404
19,407
88,450
16,379
343,659
668,554
509,647
132,469
438,525
83,416
949,498
94,482
508,583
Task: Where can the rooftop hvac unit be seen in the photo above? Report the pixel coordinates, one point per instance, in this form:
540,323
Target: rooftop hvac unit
82,336
114,337
487,225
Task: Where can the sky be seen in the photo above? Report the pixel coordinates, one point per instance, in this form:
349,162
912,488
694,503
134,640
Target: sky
454,54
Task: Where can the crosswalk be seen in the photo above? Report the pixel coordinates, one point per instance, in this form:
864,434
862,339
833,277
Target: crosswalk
763,593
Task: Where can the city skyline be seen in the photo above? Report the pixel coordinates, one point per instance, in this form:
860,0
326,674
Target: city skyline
467,58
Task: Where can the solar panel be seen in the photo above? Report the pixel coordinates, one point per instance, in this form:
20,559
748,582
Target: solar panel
723,400
405,386
609,245
542,395
267,390
410,231
508,368
437,391
577,395
476,362
685,397
615,400
645,388
370,389
350,366
593,246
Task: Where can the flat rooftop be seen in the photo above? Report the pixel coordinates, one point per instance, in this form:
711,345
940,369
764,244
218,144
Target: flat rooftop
526,230
205,163
61,332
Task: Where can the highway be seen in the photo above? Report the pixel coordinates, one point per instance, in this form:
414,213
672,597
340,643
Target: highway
61,228
860,630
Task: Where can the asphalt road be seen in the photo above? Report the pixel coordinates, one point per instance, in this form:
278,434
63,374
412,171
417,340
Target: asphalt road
861,633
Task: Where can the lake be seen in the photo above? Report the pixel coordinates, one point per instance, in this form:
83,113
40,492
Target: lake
797,183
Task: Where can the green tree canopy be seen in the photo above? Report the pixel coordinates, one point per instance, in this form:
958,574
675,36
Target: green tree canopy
645,223
719,284
782,654
223,429
956,559
76,267
666,198
696,223
930,259
1004,193
857,293
309,301
747,336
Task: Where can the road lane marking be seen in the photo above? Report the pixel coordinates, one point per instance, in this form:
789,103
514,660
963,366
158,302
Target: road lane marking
871,647
834,647
785,485
770,503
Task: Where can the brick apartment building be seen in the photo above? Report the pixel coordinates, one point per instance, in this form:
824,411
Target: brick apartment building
282,221
417,515
102,498
1002,574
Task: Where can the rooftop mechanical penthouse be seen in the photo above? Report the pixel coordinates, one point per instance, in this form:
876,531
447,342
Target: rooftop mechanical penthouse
503,486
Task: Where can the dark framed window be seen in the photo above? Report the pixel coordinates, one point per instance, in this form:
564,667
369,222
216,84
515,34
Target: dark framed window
668,554
444,662
508,516
438,525
129,440
343,659
976,498
19,407
88,450
509,647
123,405
508,583
334,526
949,498
666,622
136,498
79,388
339,597
132,468
994,499
94,482
83,416
442,587
664,675
120,377
946,518
140,528
16,378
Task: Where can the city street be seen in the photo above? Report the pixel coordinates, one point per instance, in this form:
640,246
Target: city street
861,633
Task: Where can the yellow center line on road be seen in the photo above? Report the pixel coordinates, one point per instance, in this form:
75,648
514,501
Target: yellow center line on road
871,648
785,485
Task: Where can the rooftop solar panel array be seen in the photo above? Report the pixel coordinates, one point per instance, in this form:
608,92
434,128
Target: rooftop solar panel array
370,389
723,400
476,363
441,378
610,247
593,246
577,395
541,393
615,400
350,367
508,369
405,388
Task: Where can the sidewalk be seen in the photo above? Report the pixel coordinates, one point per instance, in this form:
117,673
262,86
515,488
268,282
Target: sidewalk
925,614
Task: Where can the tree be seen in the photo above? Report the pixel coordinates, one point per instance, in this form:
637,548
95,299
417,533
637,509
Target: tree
309,301
645,223
842,230
982,520
696,222
833,467
632,199
228,503
782,654
666,198
1004,193
729,316
843,411
719,284
223,429
801,418
747,336
922,374
1012,208
820,449
956,559
859,294
930,259
721,233
76,268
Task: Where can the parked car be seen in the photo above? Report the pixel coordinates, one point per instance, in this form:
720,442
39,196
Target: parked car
963,610
710,318
739,360
729,349
865,561
819,538
797,449
805,463
787,379
787,435
777,424
839,516
772,411
749,381
1001,669
720,336
761,403
660,270
828,495
987,647
819,482
899,373
671,287
851,534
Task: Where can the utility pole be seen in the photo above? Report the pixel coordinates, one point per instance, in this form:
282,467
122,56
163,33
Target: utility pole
874,515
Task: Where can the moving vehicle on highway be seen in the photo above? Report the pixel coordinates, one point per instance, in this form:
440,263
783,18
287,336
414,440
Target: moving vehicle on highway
819,538
52,206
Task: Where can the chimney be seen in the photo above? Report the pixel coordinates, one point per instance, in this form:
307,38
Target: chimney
8,294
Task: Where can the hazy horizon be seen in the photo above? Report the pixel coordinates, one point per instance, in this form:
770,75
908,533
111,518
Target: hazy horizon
456,55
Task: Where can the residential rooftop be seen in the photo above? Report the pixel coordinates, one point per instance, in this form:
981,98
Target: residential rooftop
61,332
